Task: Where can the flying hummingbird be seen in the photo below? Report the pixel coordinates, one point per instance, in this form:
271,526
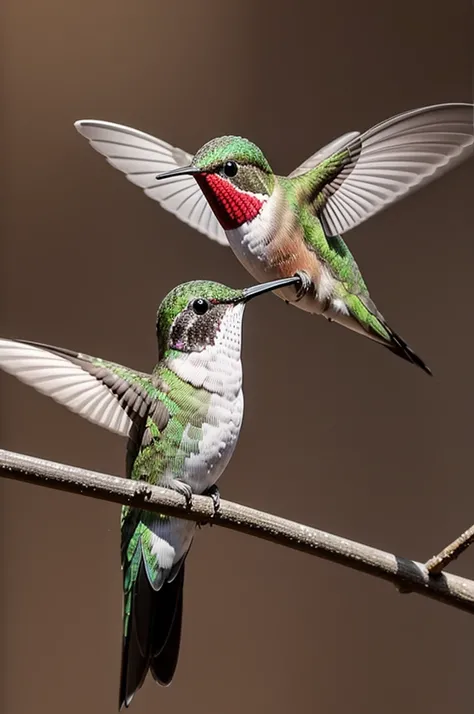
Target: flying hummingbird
280,226
182,422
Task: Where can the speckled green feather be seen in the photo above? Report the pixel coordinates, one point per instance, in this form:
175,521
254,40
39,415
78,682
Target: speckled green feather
142,380
164,450
305,199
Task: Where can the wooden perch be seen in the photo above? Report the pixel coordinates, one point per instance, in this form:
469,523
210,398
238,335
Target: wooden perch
407,575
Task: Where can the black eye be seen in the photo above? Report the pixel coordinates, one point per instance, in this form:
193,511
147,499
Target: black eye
230,168
200,306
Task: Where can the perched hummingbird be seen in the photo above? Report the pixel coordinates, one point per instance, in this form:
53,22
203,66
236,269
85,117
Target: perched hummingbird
280,226
182,422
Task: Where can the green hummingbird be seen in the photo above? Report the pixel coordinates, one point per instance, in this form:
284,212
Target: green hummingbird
182,422
280,226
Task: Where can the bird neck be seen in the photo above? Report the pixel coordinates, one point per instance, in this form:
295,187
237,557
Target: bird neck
217,368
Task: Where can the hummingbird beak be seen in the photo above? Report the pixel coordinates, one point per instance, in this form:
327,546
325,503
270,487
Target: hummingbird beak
255,290
180,171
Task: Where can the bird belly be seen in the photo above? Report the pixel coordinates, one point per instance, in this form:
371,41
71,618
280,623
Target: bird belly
202,467
204,451
220,432
271,249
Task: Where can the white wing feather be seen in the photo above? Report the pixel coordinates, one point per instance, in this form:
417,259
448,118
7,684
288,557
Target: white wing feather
66,382
141,157
392,159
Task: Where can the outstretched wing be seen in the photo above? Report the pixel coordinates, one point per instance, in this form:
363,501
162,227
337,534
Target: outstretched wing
390,160
105,393
141,157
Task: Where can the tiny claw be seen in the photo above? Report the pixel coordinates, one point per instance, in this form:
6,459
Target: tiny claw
305,286
143,489
183,488
213,493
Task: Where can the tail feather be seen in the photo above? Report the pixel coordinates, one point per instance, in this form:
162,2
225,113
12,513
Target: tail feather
136,644
153,634
163,664
365,318
400,348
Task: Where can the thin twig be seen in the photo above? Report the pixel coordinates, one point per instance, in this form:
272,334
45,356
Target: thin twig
405,574
452,551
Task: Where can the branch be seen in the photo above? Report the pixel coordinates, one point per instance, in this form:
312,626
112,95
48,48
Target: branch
452,551
407,575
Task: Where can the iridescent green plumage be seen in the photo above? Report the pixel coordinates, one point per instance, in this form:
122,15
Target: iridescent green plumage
217,151
182,422
279,226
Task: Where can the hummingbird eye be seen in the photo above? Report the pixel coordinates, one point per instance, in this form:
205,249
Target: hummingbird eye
230,168
200,306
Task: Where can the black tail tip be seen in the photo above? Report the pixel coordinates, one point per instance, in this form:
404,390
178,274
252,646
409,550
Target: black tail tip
426,369
125,700
400,348
414,359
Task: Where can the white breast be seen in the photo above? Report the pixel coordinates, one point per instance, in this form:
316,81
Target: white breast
218,369
251,241
218,442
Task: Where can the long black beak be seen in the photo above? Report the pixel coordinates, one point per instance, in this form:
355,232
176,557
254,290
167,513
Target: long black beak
180,171
255,290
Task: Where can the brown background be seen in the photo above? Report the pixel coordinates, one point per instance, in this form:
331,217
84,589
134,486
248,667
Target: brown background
338,433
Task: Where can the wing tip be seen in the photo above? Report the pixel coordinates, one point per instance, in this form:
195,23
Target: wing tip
82,125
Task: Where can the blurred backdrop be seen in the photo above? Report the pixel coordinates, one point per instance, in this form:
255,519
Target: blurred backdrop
338,433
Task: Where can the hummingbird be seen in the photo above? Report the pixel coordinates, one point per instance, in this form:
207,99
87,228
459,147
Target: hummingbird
182,422
279,226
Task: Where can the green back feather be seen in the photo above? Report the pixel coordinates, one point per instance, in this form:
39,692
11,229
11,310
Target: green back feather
161,451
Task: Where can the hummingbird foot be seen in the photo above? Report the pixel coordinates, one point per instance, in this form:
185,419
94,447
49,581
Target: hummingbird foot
214,494
305,286
183,488
143,489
